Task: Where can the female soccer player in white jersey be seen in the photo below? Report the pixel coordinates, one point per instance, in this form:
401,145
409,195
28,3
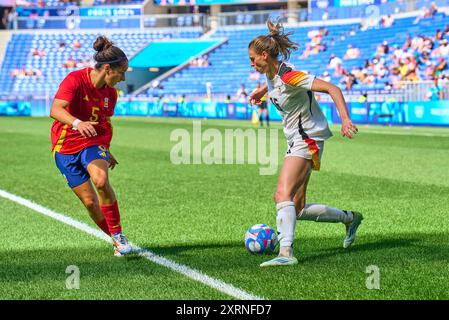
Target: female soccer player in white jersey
306,129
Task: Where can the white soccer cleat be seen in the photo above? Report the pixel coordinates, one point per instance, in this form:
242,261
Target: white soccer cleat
117,253
280,261
352,229
121,244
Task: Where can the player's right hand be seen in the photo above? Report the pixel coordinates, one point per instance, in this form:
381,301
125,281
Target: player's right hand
256,96
86,128
348,129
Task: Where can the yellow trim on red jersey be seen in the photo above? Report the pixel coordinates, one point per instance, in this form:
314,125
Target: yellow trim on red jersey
58,145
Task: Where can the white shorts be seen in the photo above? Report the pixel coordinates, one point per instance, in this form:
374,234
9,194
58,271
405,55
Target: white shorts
311,150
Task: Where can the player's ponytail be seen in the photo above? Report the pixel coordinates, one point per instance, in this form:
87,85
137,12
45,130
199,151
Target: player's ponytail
107,53
275,43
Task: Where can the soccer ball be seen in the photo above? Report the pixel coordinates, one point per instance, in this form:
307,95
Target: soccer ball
260,238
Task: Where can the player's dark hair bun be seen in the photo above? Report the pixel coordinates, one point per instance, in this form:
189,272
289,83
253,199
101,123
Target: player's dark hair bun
107,53
102,43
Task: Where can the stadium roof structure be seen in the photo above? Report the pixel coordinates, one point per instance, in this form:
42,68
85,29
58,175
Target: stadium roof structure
170,53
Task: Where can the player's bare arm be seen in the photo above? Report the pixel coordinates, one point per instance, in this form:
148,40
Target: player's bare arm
58,112
348,129
256,95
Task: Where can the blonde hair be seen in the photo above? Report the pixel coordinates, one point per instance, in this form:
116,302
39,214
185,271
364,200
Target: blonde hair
275,43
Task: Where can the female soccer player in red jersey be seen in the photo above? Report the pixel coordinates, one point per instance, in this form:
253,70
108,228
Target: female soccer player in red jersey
82,132
306,129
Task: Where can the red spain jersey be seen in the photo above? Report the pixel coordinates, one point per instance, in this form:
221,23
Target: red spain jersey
86,103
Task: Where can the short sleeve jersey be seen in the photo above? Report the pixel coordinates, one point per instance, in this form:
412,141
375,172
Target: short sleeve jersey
291,92
86,103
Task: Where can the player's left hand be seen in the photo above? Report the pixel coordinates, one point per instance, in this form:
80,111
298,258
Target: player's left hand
348,129
112,161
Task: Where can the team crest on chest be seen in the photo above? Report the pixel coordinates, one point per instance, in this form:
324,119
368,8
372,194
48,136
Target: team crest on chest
106,102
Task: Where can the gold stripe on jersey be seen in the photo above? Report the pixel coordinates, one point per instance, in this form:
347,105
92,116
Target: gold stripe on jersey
58,145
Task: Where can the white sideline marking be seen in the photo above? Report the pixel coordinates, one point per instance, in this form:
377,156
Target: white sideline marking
147,254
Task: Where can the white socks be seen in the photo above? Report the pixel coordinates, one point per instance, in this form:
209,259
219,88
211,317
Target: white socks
286,218
321,213
286,221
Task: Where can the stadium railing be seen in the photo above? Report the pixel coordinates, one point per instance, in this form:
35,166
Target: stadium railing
74,22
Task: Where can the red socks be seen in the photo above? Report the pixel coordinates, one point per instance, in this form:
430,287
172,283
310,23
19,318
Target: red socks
103,226
112,217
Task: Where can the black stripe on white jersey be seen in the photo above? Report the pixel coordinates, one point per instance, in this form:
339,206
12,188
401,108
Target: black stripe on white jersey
303,134
283,69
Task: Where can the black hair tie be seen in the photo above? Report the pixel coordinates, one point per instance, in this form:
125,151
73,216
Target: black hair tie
111,61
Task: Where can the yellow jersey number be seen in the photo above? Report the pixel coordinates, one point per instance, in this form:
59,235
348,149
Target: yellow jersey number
94,116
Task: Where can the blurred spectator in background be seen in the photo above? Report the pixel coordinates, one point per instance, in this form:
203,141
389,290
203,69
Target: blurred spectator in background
316,44
26,73
69,63
334,62
358,74
326,77
325,15
76,44
5,19
397,52
351,52
12,15
83,63
428,71
203,61
352,32
199,62
442,49
323,31
427,13
209,91
383,49
37,53
349,80
433,9
307,52
196,16
339,71
440,67
262,108
435,93
242,94
446,30
407,43
387,21
180,104
62,45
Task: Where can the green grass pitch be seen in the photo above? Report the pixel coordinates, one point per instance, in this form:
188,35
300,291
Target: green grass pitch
196,215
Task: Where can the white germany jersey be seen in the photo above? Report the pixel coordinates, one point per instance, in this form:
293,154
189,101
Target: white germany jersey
290,91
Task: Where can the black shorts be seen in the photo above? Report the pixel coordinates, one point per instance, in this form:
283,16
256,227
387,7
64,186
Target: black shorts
263,105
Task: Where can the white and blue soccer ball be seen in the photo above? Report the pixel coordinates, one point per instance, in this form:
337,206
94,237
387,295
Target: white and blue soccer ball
260,238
